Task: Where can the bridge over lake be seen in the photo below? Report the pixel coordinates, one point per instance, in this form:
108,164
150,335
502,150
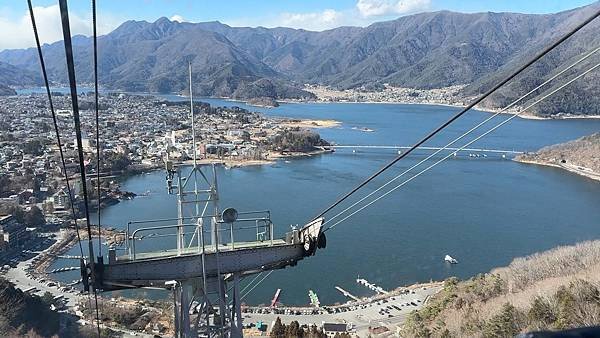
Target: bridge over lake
472,150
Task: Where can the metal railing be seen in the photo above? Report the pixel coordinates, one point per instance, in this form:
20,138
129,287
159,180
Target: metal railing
262,226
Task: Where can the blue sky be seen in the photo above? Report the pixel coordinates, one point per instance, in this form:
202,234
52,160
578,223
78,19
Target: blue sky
307,14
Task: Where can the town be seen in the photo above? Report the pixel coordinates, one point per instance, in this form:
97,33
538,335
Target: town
137,133
386,93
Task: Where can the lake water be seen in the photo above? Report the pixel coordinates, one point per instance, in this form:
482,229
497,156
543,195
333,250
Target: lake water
482,211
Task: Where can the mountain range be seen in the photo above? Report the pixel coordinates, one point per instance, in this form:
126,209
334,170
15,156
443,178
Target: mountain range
427,50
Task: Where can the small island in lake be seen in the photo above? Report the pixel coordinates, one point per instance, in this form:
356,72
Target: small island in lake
581,156
263,101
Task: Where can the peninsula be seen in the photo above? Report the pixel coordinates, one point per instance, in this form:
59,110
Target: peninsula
581,156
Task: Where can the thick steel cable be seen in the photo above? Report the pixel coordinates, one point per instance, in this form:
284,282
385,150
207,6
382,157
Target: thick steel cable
76,120
466,145
95,33
54,120
586,56
58,141
461,113
97,122
64,13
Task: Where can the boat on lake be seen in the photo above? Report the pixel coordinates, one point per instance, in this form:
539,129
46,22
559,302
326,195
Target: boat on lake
449,259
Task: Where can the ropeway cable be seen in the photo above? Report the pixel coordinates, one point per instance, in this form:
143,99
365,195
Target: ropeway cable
95,33
54,120
64,13
252,281
466,145
257,284
586,56
462,112
57,133
95,37
77,122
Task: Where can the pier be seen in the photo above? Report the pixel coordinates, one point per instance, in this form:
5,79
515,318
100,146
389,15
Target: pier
52,255
371,286
314,299
70,268
276,298
347,294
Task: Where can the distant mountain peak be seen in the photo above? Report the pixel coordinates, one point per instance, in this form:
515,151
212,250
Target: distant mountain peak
425,50
129,27
163,21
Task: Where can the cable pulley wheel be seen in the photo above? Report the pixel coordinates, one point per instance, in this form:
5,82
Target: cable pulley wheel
322,241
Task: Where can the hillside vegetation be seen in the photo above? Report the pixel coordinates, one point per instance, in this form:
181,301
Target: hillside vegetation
556,289
11,75
583,152
297,141
6,90
22,314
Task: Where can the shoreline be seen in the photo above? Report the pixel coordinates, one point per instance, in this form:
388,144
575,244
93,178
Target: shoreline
390,309
591,174
272,158
67,241
524,115
527,116
309,123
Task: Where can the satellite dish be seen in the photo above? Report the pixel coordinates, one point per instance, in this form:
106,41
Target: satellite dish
229,215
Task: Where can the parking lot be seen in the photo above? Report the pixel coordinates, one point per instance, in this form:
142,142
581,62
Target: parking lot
387,311
21,272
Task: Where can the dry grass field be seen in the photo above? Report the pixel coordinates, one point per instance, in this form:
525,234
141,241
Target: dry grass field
556,289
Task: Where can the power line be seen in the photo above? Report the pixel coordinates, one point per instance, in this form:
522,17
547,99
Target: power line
586,56
466,145
462,112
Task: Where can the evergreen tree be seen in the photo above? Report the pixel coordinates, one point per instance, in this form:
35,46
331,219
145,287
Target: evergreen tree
294,330
278,329
34,217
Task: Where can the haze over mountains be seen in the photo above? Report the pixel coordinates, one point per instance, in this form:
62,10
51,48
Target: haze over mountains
16,76
428,50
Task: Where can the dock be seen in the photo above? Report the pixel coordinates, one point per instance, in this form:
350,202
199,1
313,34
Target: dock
347,294
314,299
371,286
276,298
52,255
70,268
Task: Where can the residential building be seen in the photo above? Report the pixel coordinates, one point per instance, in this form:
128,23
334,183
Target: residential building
331,329
14,234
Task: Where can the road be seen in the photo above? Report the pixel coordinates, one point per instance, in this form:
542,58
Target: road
580,170
19,277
